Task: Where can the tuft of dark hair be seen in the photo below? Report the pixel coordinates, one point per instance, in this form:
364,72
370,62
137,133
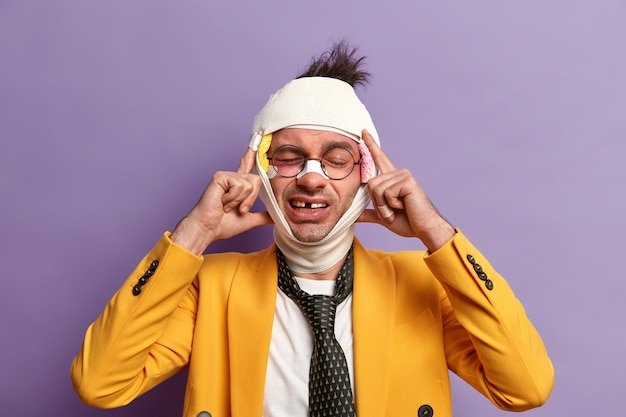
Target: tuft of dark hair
341,62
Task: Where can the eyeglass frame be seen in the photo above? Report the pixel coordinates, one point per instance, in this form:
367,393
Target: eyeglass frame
320,160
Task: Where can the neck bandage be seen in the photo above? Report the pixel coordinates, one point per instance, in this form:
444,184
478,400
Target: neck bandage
317,103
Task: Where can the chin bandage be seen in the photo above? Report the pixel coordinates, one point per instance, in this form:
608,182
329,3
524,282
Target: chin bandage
317,103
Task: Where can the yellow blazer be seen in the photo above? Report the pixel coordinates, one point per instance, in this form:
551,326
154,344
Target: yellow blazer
415,316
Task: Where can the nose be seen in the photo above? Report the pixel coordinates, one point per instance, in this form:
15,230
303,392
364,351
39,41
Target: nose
306,178
312,166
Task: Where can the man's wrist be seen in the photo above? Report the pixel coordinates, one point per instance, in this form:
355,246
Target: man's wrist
191,235
438,235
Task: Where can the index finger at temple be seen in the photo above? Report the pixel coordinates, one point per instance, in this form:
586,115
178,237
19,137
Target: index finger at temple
380,158
247,162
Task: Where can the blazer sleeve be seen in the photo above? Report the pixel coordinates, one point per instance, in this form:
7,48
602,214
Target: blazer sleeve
144,334
489,340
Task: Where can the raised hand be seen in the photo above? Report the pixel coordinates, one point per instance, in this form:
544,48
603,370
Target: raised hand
223,210
401,205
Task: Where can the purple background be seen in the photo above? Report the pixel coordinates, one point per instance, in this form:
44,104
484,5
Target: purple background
114,115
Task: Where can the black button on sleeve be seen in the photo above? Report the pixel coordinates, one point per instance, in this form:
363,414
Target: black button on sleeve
425,411
489,284
471,260
146,276
482,276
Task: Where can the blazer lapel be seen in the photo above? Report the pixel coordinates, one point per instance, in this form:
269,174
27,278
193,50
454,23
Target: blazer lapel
250,317
373,322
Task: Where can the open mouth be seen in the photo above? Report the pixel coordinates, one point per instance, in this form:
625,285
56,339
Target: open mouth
303,204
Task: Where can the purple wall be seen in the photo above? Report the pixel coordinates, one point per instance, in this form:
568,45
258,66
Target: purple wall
114,115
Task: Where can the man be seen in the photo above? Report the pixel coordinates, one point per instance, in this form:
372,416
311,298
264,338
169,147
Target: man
315,324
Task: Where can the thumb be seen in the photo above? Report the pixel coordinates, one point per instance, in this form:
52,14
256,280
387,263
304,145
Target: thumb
368,216
261,218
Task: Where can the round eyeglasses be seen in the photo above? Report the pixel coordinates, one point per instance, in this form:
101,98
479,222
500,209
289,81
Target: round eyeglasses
289,161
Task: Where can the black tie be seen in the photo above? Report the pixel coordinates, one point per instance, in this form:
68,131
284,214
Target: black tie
330,392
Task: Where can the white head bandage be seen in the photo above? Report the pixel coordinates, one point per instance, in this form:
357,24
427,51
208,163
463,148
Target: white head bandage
318,103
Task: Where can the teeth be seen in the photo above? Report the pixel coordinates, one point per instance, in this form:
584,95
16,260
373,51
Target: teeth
302,204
